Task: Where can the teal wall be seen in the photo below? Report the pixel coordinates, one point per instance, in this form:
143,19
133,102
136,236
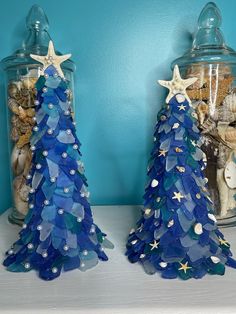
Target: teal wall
121,48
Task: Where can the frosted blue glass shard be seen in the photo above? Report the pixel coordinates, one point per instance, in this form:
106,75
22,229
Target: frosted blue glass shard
80,166
50,112
40,115
167,128
45,231
52,122
62,202
179,134
56,241
210,227
52,168
83,190
149,267
107,244
78,210
180,187
48,189
63,180
157,213
37,136
165,145
52,82
159,232
49,213
198,155
195,129
179,117
197,251
171,162
187,241
161,128
64,105
36,180
184,222
190,205
88,261
71,240
65,138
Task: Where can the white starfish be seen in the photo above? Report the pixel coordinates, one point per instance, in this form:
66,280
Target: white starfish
51,59
177,85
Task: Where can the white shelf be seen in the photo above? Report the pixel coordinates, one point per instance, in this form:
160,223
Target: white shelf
116,286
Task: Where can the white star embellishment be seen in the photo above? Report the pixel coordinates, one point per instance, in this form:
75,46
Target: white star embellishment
154,245
182,107
177,196
51,59
177,85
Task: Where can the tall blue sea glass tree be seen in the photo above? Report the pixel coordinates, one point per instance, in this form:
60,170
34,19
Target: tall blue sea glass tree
59,232
177,233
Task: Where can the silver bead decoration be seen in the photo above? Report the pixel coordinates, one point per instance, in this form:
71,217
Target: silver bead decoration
64,155
45,153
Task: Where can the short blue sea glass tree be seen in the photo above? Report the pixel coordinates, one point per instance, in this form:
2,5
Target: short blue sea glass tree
177,234
59,232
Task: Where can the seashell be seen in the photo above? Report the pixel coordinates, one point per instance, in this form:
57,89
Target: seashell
13,89
230,135
202,111
29,82
230,102
20,194
230,174
18,159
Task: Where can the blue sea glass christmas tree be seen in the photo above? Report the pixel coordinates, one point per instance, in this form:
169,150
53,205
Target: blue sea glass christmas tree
59,231
177,234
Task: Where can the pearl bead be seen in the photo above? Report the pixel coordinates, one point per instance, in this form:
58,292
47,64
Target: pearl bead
44,254
10,252
79,219
55,74
50,131
85,252
154,183
75,146
65,247
66,113
24,226
39,227
27,265
31,191
68,131
142,256
60,211
28,176
54,270
93,229
67,91
163,264
46,75
38,166
45,89
53,179
64,155
50,106
35,128
72,171
66,190
45,153
31,206
46,202
30,246
180,98
74,123
82,265
34,118
36,102
32,147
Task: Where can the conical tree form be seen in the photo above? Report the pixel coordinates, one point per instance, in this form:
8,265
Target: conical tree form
177,234
59,232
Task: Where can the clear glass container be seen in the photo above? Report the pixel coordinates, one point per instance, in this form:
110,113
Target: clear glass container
21,73
214,98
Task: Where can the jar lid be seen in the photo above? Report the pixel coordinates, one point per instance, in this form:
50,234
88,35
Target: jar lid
208,42
36,42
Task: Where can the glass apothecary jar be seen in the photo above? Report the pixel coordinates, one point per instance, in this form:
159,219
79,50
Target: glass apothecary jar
21,73
214,98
